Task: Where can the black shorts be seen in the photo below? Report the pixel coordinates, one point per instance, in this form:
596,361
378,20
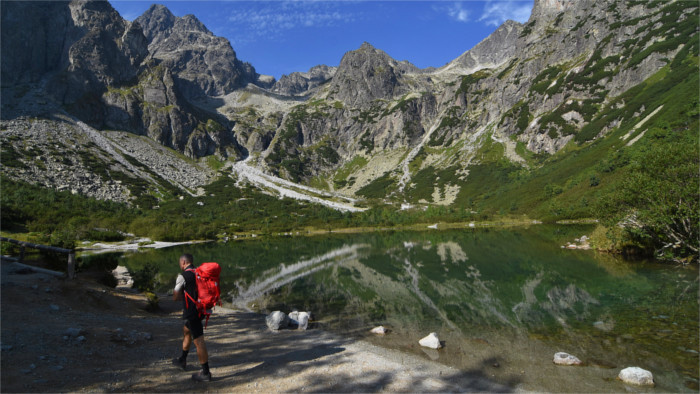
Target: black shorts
194,324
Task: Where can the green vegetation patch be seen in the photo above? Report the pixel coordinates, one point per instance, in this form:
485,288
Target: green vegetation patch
470,80
380,187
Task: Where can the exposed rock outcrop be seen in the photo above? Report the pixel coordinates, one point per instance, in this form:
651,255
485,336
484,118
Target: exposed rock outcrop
298,83
203,63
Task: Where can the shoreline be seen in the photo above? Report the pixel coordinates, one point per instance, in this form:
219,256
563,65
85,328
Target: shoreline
80,336
134,244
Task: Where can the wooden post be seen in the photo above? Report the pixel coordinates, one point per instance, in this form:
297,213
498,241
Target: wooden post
21,253
71,265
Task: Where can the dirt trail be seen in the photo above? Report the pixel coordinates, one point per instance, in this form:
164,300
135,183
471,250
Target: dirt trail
60,335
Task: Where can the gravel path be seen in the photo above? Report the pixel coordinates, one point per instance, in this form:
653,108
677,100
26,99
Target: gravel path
78,336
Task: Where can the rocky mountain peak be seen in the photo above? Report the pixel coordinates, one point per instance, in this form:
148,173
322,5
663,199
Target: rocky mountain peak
190,22
156,20
367,46
499,47
205,65
367,74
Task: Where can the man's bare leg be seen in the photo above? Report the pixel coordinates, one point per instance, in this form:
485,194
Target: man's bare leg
181,362
186,339
201,350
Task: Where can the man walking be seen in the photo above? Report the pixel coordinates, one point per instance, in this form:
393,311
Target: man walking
186,288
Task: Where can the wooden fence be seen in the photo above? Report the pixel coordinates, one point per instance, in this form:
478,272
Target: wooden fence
70,252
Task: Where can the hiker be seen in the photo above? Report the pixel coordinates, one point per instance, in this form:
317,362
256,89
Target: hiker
193,329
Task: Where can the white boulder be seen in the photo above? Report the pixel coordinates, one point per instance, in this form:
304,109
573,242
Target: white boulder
562,358
431,341
277,320
299,319
380,330
293,317
303,320
636,375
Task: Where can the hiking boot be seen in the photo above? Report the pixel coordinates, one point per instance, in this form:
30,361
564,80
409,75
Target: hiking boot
201,377
180,363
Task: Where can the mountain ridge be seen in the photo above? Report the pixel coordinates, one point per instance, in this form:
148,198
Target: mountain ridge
510,109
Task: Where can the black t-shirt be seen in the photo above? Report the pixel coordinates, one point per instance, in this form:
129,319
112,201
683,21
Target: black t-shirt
189,308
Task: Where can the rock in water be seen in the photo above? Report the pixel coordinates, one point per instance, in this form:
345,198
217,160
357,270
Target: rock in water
432,341
378,330
277,320
636,375
303,320
562,358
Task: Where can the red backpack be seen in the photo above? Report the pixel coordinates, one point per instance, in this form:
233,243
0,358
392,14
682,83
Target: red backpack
208,292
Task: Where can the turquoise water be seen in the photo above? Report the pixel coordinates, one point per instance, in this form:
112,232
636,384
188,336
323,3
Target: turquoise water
502,300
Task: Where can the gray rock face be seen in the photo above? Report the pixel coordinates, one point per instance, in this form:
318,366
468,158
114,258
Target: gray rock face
298,83
367,74
35,39
499,47
86,42
204,64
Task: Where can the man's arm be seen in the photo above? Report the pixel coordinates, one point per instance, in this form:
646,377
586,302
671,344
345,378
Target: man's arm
179,286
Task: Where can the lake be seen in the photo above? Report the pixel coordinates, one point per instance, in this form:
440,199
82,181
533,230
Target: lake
503,301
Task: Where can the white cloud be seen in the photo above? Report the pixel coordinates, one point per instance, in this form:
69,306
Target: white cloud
458,13
497,12
273,19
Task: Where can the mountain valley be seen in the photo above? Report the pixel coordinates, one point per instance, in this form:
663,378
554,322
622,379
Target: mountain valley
560,118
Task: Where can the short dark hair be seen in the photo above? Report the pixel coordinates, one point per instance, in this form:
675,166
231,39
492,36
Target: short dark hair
188,258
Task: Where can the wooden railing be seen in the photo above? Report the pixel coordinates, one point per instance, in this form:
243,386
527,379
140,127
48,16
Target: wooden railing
22,244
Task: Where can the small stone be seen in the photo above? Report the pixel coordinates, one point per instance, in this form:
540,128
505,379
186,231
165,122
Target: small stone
380,330
35,287
562,358
74,332
55,307
6,348
431,341
80,339
637,376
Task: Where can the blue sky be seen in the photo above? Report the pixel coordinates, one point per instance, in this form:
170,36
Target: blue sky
280,37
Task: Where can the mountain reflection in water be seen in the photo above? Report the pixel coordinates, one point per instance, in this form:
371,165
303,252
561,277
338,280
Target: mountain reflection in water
495,297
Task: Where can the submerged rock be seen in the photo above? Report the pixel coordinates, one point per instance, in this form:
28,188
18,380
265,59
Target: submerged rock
562,358
636,375
431,341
